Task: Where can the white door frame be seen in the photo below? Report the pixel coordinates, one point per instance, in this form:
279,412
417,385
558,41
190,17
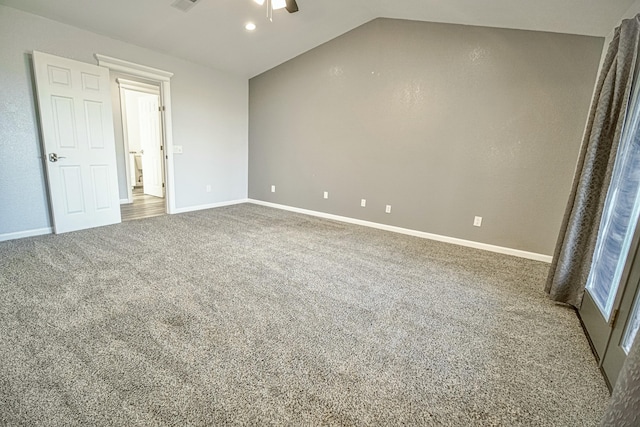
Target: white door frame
163,79
124,85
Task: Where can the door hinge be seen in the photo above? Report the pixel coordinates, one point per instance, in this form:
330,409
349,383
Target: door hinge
161,148
161,108
163,185
613,318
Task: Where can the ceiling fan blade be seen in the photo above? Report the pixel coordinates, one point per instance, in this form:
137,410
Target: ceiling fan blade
292,6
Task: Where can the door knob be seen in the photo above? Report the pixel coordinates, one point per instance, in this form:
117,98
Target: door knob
53,157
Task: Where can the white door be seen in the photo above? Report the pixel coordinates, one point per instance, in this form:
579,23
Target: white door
151,143
76,121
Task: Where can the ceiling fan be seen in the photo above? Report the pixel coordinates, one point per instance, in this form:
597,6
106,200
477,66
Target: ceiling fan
290,5
272,5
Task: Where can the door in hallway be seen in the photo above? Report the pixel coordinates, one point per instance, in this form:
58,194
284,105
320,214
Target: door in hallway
151,143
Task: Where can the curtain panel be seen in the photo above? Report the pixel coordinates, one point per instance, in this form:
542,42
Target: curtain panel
577,239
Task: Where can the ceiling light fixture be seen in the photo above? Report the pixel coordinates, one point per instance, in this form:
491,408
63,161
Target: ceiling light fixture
250,26
260,2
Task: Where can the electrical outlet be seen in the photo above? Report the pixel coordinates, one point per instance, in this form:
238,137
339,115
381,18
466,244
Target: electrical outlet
208,188
363,203
477,221
177,149
273,188
388,209
326,194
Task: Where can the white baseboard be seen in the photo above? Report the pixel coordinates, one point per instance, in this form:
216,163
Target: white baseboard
415,233
125,201
26,233
392,228
209,206
49,230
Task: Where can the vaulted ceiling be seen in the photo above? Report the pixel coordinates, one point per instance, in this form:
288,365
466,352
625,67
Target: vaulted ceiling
213,33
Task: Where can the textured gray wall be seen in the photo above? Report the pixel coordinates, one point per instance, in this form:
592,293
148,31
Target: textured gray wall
209,119
443,122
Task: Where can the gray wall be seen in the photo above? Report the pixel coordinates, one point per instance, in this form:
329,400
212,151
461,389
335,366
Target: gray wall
443,122
210,119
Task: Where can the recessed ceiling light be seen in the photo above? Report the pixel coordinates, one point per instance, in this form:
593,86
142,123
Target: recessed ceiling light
260,2
278,4
250,26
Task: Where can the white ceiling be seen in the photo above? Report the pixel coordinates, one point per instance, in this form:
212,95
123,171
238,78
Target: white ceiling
212,32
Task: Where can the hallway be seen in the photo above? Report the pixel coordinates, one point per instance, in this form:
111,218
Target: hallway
143,206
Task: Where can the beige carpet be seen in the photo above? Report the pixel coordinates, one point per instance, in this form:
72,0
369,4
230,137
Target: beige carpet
246,315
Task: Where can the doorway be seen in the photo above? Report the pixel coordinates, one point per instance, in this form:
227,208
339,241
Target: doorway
158,78
144,149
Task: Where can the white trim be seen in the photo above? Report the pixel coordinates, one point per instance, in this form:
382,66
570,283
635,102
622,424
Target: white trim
125,142
138,86
163,78
126,201
27,233
210,206
170,190
415,233
116,64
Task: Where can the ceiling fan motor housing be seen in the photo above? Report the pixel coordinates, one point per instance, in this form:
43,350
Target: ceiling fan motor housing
292,6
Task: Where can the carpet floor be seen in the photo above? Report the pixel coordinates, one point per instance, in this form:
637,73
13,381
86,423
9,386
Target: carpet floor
246,315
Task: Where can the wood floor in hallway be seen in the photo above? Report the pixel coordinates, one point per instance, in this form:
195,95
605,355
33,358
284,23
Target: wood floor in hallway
143,206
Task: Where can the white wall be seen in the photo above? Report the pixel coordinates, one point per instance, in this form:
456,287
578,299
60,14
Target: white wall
210,119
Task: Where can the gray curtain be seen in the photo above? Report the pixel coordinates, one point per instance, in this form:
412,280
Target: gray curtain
624,405
576,242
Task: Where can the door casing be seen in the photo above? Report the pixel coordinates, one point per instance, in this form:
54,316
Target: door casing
163,79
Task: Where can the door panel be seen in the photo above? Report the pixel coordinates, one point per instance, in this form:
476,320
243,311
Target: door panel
151,142
633,325
625,327
77,127
95,126
64,122
101,190
90,82
59,76
595,324
72,189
